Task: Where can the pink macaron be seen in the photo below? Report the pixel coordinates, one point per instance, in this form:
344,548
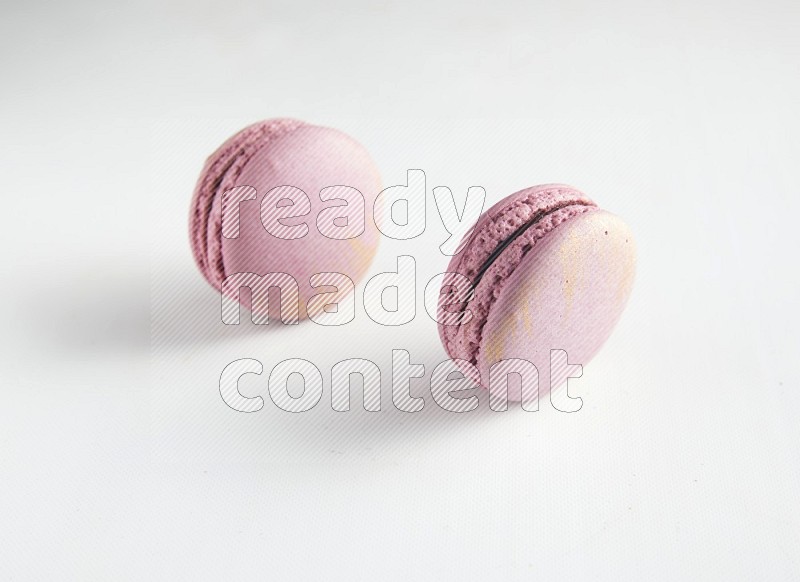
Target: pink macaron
549,271
251,179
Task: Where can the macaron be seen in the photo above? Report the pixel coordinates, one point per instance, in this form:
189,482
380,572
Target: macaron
286,160
549,271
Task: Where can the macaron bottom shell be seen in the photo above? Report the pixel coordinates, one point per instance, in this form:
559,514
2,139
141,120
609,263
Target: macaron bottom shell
567,294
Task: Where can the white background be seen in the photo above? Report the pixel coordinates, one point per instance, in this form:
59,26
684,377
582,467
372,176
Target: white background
119,460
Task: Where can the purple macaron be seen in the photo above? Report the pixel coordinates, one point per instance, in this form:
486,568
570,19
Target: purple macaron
300,200
550,271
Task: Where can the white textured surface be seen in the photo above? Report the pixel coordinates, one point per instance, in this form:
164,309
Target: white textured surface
122,462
